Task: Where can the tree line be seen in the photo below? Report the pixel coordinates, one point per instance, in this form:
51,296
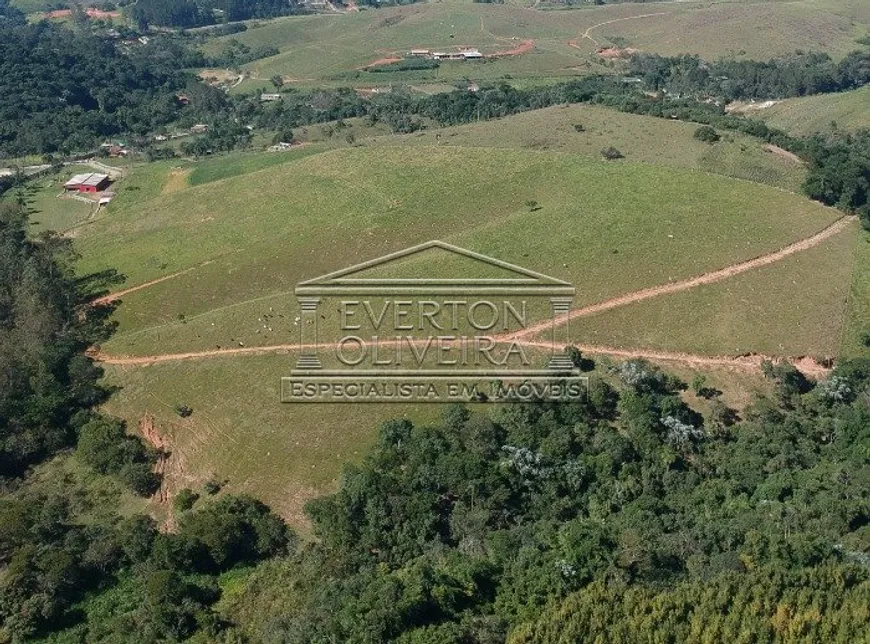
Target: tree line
839,164
157,586
798,74
624,518
90,88
197,13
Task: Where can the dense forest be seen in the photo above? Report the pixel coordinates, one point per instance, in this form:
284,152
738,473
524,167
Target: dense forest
158,586
88,88
196,13
623,516
800,74
47,385
610,520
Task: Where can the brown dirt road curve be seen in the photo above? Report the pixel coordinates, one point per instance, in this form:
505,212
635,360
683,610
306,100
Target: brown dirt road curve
524,337
684,285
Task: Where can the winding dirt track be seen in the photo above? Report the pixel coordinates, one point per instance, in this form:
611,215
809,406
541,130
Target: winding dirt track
684,285
610,22
743,363
525,337
117,295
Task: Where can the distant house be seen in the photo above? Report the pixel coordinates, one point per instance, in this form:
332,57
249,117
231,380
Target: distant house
280,146
467,54
419,53
88,182
270,97
199,128
182,99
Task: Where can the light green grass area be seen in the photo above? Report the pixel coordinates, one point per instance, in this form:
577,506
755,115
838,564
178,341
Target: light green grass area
825,113
793,307
237,163
643,139
53,209
336,48
858,309
758,30
610,228
285,454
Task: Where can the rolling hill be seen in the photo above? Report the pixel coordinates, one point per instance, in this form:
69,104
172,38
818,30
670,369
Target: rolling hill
336,48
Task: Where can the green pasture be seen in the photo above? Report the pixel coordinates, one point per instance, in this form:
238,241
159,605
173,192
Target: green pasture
825,113
644,139
336,48
794,307
608,227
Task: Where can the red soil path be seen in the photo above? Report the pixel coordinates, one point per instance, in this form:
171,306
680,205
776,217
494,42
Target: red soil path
526,336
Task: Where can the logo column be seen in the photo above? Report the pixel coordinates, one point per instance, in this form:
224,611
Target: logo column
308,358
559,360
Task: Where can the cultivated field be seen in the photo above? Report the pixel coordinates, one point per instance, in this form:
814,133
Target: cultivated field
336,49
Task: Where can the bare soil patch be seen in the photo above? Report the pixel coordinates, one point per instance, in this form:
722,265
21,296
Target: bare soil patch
386,60
785,154
612,53
521,48
176,180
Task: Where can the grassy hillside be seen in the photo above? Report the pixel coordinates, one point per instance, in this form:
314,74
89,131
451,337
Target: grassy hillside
54,211
640,138
237,232
823,113
602,225
794,307
335,48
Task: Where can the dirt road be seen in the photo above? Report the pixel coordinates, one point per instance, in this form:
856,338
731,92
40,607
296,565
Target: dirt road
684,285
526,336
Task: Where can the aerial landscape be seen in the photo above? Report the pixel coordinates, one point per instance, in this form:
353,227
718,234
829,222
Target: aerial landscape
441,321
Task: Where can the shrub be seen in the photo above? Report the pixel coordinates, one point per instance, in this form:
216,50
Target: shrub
211,487
706,134
611,153
184,500
105,446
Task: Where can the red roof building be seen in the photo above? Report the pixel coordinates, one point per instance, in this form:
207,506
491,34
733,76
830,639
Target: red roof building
89,182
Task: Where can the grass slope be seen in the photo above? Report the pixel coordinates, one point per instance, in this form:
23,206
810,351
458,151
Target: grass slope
858,309
794,307
640,138
802,116
240,433
610,228
336,47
